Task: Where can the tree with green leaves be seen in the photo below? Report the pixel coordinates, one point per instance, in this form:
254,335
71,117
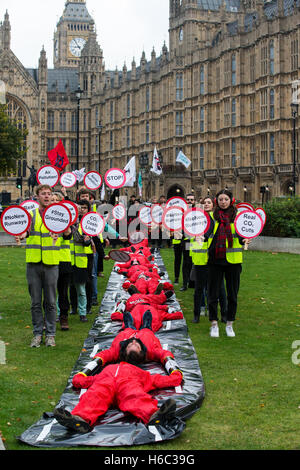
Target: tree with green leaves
11,141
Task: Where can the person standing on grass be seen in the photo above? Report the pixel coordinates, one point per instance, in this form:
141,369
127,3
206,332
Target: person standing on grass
225,257
42,258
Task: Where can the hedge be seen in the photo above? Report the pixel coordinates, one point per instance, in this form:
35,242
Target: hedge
283,218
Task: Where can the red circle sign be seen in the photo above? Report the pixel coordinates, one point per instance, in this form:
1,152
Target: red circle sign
92,224
178,202
30,205
73,209
115,178
119,212
93,180
196,222
57,218
48,175
172,218
68,180
248,224
157,213
15,220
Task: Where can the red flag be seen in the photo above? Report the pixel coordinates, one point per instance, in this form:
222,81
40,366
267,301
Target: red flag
58,157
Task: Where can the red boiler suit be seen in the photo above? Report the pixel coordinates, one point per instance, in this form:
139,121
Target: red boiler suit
159,315
151,299
155,352
124,386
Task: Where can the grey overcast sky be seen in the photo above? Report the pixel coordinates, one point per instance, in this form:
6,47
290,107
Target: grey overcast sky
124,28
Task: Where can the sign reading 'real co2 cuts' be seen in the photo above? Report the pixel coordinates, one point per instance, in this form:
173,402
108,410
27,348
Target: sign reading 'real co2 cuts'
248,224
48,175
93,180
92,224
57,218
15,220
115,178
196,222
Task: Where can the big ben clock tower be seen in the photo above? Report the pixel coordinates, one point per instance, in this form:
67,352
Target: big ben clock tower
73,31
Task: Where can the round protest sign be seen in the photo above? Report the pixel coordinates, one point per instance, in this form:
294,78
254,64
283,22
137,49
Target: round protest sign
92,224
178,202
73,209
244,206
262,213
115,178
68,180
196,222
157,213
30,205
48,175
15,220
119,212
93,180
248,224
57,218
172,218
145,215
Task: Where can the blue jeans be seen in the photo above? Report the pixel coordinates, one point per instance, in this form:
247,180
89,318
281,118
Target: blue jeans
81,299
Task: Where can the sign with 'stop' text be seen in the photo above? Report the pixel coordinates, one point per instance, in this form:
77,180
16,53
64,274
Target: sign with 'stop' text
93,180
115,178
48,175
57,218
92,224
196,222
15,220
172,218
248,224
30,205
68,180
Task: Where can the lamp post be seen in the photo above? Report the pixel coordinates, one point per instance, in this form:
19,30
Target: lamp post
245,193
294,107
78,97
99,128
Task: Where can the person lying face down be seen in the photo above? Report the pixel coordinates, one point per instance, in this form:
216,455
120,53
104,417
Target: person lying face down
120,385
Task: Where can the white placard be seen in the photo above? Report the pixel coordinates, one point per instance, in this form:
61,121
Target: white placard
115,178
68,180
244,206
157,213
119,212
173,218
48,175
57,218
196,222
262,213
92,224
178,202
93,180
73,209
15,220
30,205
248,224
145,215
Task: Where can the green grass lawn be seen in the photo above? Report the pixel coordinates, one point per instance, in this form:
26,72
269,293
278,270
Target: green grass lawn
252,386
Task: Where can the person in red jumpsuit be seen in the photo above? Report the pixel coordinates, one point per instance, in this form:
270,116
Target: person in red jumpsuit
120,385
160,313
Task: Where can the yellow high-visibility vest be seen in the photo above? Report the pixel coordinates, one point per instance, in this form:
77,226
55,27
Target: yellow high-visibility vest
39,244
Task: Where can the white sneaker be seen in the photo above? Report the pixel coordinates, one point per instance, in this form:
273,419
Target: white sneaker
202,312
229,331
214,331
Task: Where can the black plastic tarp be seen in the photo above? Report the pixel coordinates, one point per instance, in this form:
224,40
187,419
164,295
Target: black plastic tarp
116,429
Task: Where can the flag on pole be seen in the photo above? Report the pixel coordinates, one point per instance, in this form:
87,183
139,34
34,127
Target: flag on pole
58,157
140,184
181,158
130,171
156,165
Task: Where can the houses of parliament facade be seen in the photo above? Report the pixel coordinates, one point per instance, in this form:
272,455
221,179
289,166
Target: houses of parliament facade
220,91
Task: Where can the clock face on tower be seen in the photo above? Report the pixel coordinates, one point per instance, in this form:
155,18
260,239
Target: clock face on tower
76,45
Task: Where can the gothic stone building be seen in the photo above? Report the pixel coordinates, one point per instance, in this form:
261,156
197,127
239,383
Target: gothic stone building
221,91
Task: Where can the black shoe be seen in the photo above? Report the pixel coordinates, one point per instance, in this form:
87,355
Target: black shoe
128,320
183,288
83,318
89,312
73,312
159,289
75,423
147,320
223,319
176,282
167,410
95,303
195,320
132,290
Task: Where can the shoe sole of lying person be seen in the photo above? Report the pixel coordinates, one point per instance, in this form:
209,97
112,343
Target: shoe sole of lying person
69,421
167,410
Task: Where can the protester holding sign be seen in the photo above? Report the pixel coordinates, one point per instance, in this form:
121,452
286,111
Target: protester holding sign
42,258
225,257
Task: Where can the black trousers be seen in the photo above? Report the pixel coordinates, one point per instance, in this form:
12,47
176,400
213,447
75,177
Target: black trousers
200,284
63,283
187,264
177,259
232,273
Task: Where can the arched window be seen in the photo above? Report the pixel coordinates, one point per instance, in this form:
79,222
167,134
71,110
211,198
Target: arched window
18,114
